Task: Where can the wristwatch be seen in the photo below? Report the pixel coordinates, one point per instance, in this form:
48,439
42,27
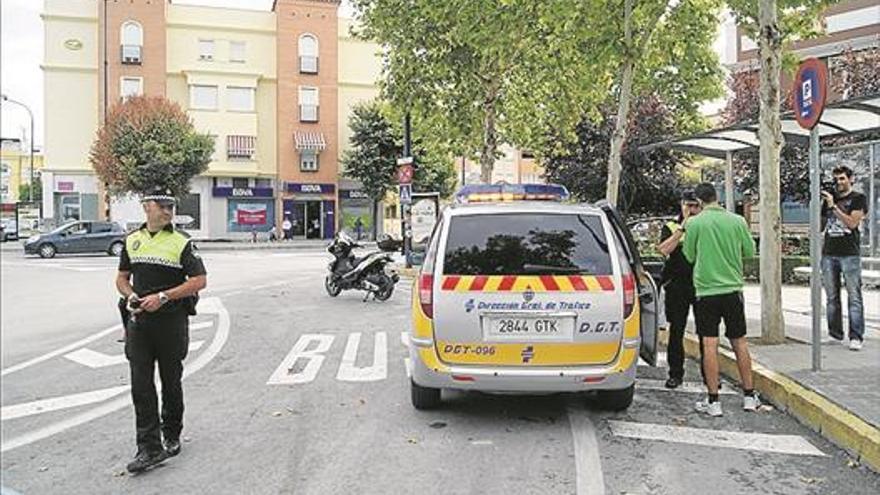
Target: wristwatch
163,298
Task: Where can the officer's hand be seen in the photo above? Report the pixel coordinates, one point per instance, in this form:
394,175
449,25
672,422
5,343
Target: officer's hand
151,303
829,199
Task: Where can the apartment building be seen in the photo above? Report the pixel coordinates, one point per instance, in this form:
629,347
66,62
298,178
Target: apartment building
271,86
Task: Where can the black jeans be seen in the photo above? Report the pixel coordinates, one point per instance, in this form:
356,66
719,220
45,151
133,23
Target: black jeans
162,338
679,300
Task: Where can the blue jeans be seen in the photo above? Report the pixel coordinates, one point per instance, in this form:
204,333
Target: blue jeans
851,267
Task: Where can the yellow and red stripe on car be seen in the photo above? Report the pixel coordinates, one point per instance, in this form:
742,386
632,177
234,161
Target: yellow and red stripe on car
522,283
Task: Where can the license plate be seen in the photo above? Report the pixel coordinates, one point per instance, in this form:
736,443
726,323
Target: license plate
528,328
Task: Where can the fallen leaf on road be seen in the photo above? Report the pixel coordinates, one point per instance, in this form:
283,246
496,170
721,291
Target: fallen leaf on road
290,410
810,481
43,469
119,474
362,401
276,413
187,439
852,463
412,440
437,425
765,408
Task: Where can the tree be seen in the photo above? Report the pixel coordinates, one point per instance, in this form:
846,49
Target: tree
777,21
650,182
25,188
149,142
376,144
666,46
484,72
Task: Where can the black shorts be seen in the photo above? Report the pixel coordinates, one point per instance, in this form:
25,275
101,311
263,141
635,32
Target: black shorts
710,310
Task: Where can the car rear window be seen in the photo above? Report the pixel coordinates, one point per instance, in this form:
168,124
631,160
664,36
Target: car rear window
526,244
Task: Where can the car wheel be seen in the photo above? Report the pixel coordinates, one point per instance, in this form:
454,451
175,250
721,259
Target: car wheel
332,286
616,400
424,397
47,251
116,249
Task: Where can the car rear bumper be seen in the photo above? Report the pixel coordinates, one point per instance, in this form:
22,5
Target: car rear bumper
429,371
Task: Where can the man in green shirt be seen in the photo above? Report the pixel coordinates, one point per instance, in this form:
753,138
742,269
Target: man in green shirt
716,243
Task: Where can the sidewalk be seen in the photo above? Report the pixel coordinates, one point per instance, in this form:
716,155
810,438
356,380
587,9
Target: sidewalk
842,401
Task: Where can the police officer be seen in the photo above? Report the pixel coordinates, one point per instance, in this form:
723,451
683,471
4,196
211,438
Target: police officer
160,275
678,282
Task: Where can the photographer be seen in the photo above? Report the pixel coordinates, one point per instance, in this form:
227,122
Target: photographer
842,212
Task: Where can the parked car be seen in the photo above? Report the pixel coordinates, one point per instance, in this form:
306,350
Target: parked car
8,230
78,237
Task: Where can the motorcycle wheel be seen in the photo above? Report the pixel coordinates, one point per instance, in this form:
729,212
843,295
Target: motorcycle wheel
387,289
332,286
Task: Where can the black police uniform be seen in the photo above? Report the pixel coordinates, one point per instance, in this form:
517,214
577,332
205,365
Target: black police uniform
161,336
678,282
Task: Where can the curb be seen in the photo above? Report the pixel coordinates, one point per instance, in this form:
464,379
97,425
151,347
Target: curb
834,422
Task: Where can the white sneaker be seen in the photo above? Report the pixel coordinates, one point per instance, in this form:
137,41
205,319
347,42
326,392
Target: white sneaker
751,403
855,345
710,408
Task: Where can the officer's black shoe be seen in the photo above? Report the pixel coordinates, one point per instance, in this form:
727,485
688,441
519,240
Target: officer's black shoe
145,459
172,446
673,383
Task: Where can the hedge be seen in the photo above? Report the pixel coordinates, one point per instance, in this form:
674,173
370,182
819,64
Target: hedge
751,270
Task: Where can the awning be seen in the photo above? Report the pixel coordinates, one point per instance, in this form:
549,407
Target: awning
241,146
310,141
848,117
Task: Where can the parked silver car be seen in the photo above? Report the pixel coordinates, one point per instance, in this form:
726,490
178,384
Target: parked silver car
78,237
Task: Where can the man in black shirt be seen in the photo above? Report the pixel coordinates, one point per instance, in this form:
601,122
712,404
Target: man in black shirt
841,215
678,282
160,274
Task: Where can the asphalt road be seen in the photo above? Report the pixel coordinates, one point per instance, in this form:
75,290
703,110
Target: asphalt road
338,418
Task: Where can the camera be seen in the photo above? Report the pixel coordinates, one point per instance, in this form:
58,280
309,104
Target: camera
829,186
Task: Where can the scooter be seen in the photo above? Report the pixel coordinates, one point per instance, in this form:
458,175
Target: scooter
348,272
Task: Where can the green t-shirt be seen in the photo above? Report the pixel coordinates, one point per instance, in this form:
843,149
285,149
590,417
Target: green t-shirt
716,243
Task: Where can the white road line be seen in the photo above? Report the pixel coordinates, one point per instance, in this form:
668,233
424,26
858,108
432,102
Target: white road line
95,359
587,463
284,374
58,403
780,444
348,372
687,387
207,305
58,352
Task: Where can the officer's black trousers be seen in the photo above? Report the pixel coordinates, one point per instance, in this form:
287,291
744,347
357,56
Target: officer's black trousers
163,339
679,300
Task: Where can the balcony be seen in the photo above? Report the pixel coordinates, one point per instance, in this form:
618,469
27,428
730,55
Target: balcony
308,65
131,54
308,113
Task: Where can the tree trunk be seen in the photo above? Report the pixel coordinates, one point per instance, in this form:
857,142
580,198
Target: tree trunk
375,220
612,189
771,139
490,136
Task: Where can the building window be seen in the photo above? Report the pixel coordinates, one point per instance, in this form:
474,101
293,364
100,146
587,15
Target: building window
240,147
240,99
131,86
203,97
308,54
132,42
308,160
206,50
240,183
308,104
237,51
191,206
263,183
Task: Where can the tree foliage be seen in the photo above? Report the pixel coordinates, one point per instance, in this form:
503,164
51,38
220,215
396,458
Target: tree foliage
149,142
377,143
650,182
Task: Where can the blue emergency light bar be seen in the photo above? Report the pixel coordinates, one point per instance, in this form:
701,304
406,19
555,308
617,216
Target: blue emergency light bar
482,193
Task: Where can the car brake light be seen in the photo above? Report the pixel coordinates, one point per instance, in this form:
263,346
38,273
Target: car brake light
426,294
629,294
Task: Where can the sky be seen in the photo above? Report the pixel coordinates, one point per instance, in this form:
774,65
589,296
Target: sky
21,53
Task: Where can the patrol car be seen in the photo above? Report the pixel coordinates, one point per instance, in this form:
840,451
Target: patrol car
523,292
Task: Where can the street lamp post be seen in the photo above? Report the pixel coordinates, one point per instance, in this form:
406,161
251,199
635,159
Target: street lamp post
31,115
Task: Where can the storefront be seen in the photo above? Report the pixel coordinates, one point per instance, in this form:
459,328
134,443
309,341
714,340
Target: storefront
73,197
310,209
356,212
248,205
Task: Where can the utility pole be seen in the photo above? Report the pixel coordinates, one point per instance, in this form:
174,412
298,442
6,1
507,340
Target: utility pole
406,207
